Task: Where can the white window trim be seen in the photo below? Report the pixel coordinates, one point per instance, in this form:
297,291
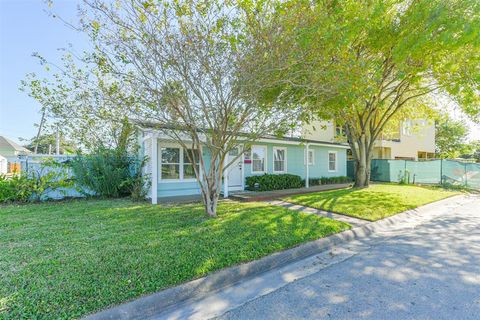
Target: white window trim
336,161
306,157
181,164
285,160
264,162
313,157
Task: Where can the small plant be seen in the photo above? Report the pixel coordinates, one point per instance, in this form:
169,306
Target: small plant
138,183
404,177
49,177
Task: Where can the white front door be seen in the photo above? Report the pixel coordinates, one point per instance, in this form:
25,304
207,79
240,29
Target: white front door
235,176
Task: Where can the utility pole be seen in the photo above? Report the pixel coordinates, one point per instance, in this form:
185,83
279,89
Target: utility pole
40,126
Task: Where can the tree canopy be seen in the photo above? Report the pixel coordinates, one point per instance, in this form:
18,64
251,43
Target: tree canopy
365,62
451,138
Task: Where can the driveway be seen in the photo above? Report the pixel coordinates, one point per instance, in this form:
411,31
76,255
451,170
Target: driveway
428,271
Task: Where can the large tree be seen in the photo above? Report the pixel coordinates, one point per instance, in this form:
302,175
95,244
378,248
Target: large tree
184,62
90,107
451,138
363,63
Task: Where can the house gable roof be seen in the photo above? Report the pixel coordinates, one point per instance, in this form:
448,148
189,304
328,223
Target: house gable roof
154,126
6,143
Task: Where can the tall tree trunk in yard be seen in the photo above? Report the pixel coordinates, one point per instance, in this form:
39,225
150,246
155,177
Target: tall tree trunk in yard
362,168
362,147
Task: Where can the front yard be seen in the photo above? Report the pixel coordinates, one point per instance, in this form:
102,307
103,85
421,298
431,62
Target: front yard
376,202
68,259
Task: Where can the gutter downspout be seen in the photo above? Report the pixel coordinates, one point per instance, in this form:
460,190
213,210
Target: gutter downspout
307,169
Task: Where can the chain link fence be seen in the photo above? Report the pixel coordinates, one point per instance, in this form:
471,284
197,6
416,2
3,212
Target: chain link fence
425,172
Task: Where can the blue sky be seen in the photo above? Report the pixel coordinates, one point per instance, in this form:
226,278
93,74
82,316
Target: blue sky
25,27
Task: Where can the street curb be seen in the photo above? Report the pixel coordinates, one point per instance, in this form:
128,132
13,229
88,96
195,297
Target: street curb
158,302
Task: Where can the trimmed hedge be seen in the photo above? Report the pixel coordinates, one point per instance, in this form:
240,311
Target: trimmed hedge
268,182
329,180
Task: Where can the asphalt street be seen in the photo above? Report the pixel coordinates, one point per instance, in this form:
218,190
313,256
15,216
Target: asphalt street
428,271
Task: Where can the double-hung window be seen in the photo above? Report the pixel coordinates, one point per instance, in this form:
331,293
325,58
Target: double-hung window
176,164
332,161
259,157
279,160
311,157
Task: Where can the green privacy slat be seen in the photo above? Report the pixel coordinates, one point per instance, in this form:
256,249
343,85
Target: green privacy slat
431,171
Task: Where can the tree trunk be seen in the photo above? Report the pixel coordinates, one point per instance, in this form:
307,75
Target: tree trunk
211,207
210,191
362,168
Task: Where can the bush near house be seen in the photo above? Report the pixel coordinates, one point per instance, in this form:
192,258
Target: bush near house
110,174
329,180
268,182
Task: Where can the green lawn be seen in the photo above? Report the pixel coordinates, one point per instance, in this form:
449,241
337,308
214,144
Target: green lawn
376,202
68,259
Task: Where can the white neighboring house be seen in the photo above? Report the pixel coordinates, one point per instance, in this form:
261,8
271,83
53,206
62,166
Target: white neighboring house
11,150
3,165
414,139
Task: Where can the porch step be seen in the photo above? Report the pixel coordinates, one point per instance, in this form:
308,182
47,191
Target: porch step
248,196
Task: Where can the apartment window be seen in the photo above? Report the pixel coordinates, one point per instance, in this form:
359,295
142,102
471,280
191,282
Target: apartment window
311,157
332,161
176,165
406,127
259,156
279,159
339,131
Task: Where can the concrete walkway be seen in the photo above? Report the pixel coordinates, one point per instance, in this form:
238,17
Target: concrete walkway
340,217
426,267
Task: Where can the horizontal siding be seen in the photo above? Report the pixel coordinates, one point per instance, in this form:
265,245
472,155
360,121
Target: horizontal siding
171,189
296,162
295,165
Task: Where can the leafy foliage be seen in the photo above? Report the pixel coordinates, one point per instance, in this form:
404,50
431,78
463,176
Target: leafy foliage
35,184
48,140
109,173
329,180
363,63
269,182
450,139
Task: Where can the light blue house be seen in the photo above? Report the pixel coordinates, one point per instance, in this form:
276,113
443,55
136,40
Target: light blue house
172,173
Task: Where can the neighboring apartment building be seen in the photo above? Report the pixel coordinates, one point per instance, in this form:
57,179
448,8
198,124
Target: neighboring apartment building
412,140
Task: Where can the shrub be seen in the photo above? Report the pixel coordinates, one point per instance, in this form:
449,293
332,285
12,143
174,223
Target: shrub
15,189
269,182
329,180
35,184
109,173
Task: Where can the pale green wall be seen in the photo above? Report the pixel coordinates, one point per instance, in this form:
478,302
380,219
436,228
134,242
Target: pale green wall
296,162
295,165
